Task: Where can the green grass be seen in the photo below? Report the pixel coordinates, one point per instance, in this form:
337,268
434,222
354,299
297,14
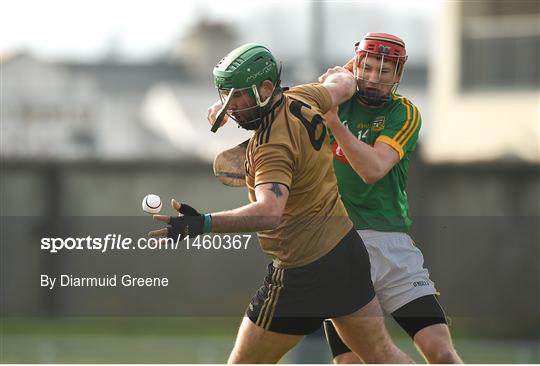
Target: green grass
120,326
187,340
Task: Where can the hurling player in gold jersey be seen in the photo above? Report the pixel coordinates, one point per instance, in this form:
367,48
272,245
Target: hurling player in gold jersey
320,268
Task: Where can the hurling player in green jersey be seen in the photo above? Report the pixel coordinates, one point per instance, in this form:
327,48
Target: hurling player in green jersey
373,135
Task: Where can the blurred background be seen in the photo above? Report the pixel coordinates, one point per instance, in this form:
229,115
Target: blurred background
104,102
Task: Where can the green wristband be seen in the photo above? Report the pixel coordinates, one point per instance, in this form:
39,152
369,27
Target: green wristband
207,224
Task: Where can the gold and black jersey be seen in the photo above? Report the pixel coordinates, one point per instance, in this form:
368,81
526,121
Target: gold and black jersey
292,148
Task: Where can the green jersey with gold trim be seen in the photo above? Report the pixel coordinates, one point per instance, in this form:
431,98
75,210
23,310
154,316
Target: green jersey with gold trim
383,205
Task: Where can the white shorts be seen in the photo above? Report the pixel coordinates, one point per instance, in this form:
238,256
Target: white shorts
397,269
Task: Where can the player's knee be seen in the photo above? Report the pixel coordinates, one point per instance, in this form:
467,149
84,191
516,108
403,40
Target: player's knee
347,358
436,345
442,355
241,356
448,357
236,357
232,358
379,353
375,350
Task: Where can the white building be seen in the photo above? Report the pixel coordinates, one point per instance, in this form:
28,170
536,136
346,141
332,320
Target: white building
78,111
484,86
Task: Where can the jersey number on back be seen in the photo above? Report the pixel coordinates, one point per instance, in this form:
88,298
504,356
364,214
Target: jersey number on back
311,126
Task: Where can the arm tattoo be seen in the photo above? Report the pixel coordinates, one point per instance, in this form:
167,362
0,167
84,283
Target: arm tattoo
277,191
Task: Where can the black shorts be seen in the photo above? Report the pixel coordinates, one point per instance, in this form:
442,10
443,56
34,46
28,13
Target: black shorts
298,300
412,317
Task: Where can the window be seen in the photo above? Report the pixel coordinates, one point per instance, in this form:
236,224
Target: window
500,45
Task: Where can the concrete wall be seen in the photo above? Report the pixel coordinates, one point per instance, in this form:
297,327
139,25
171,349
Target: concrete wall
476,225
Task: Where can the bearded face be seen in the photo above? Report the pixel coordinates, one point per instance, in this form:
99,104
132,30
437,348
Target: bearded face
242,107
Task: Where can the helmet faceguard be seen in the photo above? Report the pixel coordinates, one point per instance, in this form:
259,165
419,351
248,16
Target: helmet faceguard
240,74
250,117
381,47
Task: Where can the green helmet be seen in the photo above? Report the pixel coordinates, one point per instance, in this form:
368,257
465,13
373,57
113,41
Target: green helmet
245,69
246,66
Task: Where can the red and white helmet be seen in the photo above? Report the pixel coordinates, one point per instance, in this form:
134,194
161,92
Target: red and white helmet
384,46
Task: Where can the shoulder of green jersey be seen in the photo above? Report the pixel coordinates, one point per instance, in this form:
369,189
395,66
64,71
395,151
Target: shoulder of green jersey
409,125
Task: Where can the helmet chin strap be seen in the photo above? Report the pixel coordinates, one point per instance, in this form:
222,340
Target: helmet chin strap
263,112
372,101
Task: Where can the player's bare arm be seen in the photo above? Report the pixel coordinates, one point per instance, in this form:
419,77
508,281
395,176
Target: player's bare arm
263,214
340,83
371,163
